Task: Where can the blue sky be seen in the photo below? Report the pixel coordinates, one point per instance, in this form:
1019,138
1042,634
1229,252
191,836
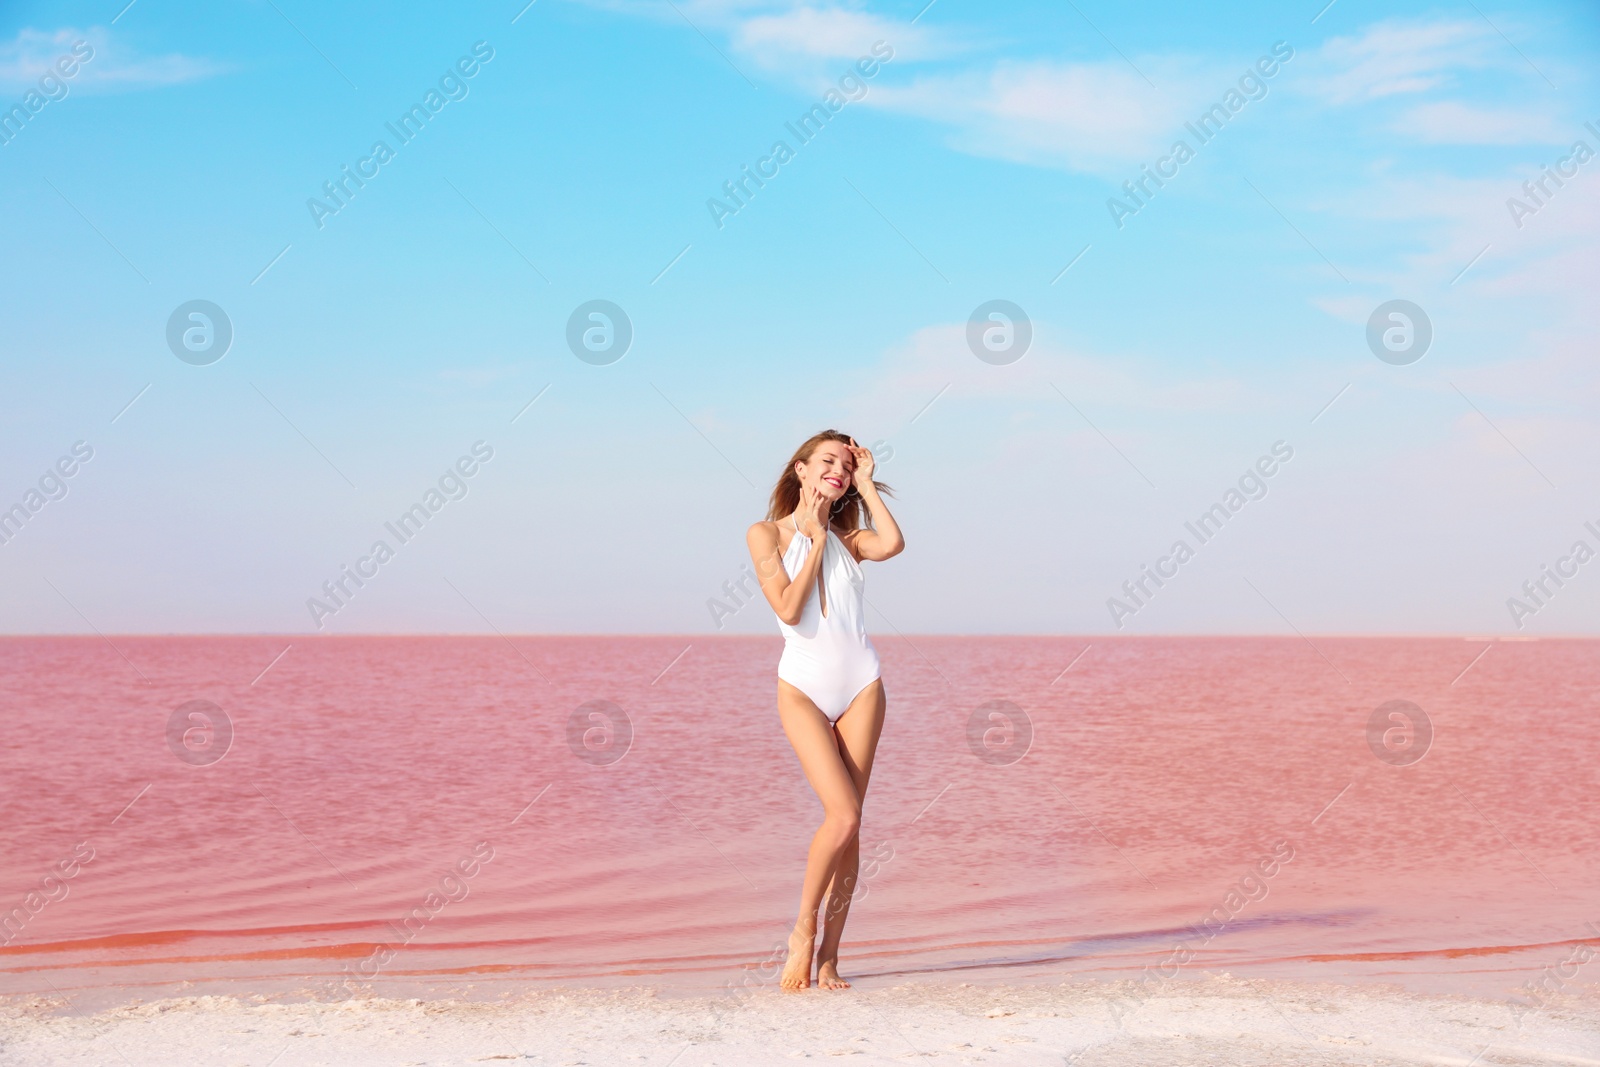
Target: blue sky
1168,354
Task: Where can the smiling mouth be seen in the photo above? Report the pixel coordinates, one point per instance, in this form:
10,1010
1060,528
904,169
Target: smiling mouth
836,483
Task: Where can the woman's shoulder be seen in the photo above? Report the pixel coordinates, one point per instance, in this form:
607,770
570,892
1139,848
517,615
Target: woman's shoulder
848,538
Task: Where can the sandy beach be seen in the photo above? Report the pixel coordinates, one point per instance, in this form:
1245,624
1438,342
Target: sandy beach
1214,1019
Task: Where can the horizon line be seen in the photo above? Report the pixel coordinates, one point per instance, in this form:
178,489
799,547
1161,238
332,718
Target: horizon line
1434,635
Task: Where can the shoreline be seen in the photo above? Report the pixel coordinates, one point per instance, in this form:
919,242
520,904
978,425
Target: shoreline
1238,1021
1503,974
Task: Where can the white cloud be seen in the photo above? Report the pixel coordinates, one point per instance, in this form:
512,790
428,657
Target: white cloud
1094,118
1446,220
829,33
1099,117
1352,309
702,12
114,64
1398,57
1518,325
781,31
1451,122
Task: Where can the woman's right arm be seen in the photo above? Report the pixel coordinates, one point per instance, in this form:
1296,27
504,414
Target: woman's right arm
787,596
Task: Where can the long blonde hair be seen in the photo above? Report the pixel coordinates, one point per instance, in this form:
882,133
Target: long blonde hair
847,513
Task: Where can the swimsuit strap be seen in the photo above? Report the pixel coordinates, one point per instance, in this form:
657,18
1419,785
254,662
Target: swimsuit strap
797,529
798,532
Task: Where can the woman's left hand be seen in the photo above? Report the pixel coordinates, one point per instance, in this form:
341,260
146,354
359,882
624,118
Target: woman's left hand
864,465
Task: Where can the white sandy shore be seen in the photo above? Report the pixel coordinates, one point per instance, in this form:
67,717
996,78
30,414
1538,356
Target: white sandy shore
1216,1020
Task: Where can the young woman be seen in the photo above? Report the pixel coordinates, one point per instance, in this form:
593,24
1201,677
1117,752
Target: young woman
808,554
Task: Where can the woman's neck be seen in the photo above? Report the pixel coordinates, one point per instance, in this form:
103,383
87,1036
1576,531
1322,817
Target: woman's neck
797,522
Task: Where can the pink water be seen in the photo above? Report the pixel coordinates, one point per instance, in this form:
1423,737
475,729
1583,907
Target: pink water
1159,773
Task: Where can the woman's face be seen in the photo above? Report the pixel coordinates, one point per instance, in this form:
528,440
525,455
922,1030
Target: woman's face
830,470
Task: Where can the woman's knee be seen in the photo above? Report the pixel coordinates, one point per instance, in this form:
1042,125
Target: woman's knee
842,825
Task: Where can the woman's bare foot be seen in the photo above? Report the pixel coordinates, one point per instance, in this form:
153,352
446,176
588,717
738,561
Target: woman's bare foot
828,976
797,968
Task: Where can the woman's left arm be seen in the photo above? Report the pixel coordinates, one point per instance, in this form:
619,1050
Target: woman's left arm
884,540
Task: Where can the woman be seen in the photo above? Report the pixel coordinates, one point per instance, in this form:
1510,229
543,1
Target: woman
807,554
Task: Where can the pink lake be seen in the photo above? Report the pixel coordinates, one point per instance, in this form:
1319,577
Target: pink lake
1132,788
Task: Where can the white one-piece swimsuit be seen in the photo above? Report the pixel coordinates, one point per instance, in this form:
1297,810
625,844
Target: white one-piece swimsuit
829,657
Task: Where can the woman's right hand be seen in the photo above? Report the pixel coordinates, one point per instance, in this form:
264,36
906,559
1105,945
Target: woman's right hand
812,509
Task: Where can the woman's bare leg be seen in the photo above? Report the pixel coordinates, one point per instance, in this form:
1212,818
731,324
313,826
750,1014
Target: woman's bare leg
857,734
814,743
